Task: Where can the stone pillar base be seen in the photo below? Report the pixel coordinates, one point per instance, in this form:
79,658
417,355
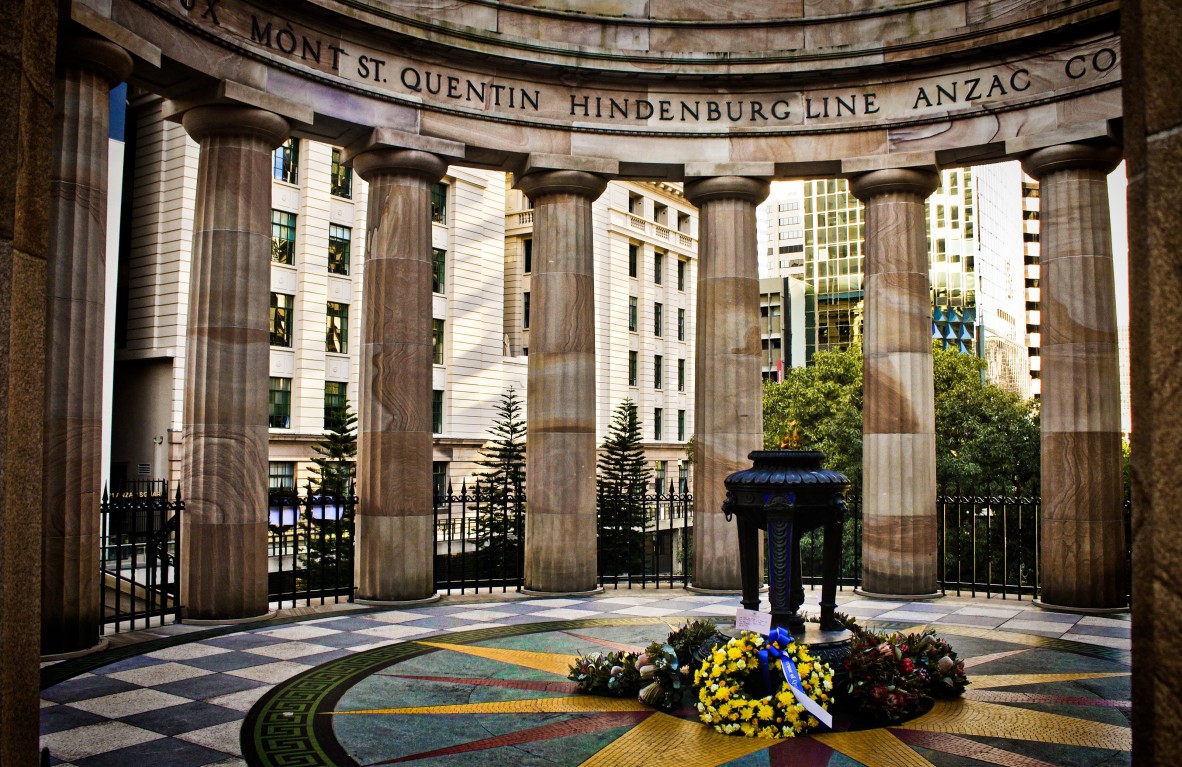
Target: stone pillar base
399,602
591,593
1081,610
229,621
102,644
717,592
899,597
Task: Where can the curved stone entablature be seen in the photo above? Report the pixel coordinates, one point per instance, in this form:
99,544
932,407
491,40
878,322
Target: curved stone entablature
908,83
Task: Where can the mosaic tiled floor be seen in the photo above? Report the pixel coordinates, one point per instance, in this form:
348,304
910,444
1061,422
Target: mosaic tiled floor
1048,689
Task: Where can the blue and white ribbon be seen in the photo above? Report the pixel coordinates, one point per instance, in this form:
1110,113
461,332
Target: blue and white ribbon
776,647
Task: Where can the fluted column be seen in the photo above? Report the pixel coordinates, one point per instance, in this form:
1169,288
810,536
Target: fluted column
1083,534
898,418
728,387
70,609
224,534
395,545
560,527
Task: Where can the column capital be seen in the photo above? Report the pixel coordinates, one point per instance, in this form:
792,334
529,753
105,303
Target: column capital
97,55
1102,156
223,119
702,190
408,162
576,182
917,181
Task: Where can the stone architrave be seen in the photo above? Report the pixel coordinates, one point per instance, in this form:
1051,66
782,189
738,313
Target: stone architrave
898,420
728,387
1082,548
395,540
560,527
76,285
224,529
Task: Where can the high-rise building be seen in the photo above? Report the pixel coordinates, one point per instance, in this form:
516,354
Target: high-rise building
1030,254
645,252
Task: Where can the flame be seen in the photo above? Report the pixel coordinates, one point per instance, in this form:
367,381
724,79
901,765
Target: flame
791,437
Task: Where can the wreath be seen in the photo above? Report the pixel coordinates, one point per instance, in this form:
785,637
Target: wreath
732,699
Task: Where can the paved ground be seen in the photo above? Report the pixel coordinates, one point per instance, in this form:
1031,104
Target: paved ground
1050,688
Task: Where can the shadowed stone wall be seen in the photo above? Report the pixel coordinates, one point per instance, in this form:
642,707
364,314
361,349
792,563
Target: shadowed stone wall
27,46
1152,31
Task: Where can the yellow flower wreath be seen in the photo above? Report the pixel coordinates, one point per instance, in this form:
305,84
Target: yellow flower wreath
726,706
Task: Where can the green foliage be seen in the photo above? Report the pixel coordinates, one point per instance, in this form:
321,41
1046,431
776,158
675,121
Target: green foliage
500,485
824,400
335,455
982,431
690,637
329,554
621,483
612,674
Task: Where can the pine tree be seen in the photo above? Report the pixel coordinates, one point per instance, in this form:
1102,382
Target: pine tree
336,454
621,483
500,487
329,554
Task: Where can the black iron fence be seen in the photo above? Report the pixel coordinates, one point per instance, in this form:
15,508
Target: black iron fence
479,539
645,540
310,549
139,547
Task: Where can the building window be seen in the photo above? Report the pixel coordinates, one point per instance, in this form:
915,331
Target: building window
633,259
438,269
632,365
283,226
437,341
659,475
683,477
439,479
681,274
436,411
525,311
658,371
341,179
658,417
658,319
282,316
439,203
681,324
337,328
681,425
658,267
334,399
632,313
286,161
635,204
279,404
528,266
281,476
681,375
339,239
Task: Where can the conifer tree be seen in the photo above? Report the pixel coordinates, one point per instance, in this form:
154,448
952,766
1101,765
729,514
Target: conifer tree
329,556
500,487
621,484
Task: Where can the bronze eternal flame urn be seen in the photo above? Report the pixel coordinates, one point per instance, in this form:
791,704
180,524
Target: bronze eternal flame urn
787,493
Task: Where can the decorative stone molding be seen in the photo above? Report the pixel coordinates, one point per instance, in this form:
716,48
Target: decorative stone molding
224,120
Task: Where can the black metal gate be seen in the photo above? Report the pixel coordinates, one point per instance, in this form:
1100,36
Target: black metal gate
647,540
139,548
310,545
479,535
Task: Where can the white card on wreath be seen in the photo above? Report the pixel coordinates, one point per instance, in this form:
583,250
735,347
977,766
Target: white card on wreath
754,621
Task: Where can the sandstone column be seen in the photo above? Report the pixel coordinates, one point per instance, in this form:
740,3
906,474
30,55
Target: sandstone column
27,47
728,388
899,418
70,609
560,526
1083,533
224,533
395,539
1151,36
